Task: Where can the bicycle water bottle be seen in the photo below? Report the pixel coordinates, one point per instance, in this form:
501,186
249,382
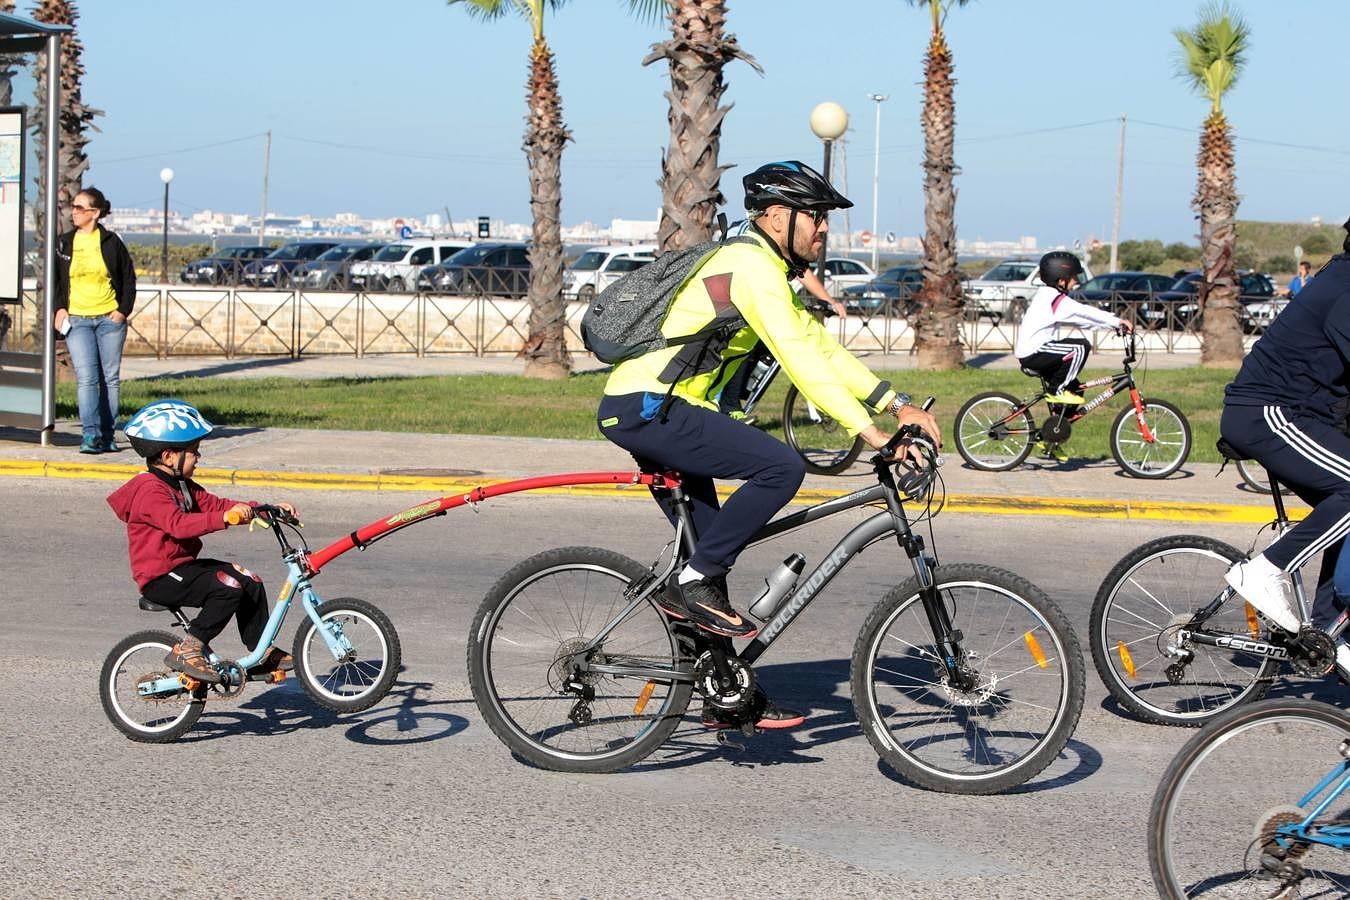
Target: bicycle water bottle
777,586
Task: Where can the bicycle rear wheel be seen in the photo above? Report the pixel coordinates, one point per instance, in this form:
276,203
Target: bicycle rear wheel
1159,457
150,719
991,433
1028,683
1231,816
1145,600
525,646
823,444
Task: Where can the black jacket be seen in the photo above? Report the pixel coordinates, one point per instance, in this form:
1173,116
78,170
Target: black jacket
121,270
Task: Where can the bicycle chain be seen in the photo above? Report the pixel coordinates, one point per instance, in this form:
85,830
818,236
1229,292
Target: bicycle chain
192,686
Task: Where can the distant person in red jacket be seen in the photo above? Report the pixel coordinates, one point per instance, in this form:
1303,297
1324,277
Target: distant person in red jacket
166,514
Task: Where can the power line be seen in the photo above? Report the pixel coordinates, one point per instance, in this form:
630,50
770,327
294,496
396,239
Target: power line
162,153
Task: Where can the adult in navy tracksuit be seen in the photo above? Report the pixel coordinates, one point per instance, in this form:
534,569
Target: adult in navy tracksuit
1287,410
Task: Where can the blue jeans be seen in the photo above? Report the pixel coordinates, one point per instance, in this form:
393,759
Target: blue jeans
95,344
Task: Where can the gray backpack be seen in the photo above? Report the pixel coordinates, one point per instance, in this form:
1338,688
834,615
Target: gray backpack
624,320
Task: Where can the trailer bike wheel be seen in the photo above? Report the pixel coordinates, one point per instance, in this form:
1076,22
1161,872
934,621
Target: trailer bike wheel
1019,699
1156,458
1142,606
1239,813
154,719
531,672
823,444
991,435
368,660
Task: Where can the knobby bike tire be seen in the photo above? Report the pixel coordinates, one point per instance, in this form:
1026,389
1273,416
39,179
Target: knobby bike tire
1151,460
1145,598
365,677
121,706
837,451
987,445
1027,699
520,648
1206,839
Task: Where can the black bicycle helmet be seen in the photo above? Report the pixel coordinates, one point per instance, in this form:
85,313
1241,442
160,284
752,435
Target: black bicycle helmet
1059,265
792,184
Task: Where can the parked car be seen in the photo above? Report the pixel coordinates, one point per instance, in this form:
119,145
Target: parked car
274,270
221,267
1177,306
1004,291
581,280
331,270
842,273
1257,316
1116,291
501,270
619,267
396,266
890,293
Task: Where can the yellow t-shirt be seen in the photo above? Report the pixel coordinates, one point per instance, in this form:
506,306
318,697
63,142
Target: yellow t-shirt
91,292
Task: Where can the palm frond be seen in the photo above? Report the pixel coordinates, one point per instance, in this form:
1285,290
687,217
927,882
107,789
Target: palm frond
1213,51
649,10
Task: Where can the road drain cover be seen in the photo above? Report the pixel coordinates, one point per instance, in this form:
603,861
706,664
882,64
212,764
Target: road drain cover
433,473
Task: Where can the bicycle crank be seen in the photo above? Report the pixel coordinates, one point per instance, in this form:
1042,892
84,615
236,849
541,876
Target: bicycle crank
1312,653
729,686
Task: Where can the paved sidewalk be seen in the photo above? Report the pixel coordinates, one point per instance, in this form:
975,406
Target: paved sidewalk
286,459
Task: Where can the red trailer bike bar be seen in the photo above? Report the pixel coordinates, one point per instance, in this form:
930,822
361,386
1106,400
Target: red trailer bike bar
364,537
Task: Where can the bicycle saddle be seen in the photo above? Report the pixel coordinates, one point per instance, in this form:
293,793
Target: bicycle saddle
150,606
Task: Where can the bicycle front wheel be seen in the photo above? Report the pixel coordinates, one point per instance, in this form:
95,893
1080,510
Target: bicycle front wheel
368,662
150,719
1021,691
1156,458
1234,814
532,673
994,432
823,444
1146,600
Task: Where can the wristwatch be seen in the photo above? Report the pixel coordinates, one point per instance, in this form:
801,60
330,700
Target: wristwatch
900,402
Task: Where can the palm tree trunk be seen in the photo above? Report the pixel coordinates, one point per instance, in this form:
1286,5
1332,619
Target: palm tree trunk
545,347
937,333
698,51
1216,200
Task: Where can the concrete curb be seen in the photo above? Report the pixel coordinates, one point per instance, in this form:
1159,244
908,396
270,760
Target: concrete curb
1097,508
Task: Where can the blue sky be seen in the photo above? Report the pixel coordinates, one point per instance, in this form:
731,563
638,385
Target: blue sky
409,107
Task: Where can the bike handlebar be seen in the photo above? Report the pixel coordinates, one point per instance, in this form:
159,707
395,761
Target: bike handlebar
266,511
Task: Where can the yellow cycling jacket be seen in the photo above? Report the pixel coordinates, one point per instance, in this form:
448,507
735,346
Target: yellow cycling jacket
749,279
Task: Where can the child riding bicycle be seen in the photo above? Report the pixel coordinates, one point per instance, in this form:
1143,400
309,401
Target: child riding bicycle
1040,349
166,513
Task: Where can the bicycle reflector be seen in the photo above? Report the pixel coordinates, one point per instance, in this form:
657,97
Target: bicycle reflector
1253,625
1125,659
1035,647
643,696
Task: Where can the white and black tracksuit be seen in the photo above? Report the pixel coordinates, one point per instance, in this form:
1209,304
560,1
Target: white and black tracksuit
1287,410
1040,349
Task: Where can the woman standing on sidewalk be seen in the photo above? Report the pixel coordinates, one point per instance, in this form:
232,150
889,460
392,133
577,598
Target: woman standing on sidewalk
95,291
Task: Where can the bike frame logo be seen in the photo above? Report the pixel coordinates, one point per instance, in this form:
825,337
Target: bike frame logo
412,515
823,573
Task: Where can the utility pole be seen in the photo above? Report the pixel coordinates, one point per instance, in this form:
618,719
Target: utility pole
267,161
876,176
1120,187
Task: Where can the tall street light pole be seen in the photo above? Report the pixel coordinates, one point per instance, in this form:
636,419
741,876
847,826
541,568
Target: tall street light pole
876,176
829,121
166,176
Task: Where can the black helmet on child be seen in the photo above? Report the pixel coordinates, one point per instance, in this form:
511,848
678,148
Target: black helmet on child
792,184
1059,265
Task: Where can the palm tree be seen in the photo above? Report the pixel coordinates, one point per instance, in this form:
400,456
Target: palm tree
937,331
545,348
1212,57
698,50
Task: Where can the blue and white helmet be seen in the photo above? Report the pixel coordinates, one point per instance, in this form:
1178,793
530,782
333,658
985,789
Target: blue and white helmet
165,425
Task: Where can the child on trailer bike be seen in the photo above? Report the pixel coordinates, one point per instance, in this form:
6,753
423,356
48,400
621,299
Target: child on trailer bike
1040,349
166,514
662,406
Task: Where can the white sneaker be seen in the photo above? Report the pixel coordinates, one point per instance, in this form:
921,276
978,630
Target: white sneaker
1268,589
1343,656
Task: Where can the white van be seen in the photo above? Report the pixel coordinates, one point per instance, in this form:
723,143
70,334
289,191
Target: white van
595,268
396,266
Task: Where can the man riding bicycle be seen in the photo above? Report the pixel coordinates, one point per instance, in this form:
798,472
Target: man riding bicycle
662,406
1286,409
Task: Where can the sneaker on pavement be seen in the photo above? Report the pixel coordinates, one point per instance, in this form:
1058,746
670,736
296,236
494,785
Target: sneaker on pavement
704,604
1055,451
1268,589
189,657
1066,397
91,444
275,660
769,715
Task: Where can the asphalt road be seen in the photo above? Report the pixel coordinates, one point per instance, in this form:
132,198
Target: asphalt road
272,797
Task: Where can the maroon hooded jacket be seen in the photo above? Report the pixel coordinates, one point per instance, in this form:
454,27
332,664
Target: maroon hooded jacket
160,536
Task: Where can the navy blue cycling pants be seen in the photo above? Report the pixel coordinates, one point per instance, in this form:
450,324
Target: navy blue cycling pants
702,445
1312,458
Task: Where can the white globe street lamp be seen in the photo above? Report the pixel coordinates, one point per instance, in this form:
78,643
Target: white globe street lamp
166,176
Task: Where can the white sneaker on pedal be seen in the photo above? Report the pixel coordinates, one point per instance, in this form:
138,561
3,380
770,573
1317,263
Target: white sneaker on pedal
1343,656
1267,588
